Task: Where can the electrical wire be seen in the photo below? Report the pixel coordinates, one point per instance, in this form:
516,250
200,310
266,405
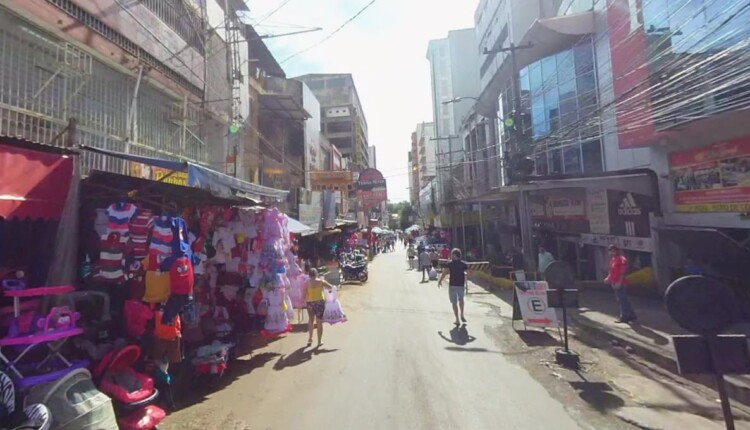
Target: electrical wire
272,12
321,41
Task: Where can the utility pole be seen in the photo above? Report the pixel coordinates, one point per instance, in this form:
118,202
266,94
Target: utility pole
524,213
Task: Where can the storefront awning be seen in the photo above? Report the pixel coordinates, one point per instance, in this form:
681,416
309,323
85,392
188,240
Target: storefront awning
33,184
218,184
709,245
639,181
297,227
545,37
284,106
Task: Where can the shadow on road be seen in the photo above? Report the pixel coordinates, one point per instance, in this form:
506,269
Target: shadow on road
458,335
460,349
597,394
647,332
190,390
535,338
302,355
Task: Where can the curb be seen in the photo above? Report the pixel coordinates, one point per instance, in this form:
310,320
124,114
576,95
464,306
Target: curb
737,391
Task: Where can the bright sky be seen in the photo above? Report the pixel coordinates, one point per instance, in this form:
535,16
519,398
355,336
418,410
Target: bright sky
384,48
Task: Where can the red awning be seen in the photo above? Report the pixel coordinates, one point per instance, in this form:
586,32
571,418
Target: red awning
33,184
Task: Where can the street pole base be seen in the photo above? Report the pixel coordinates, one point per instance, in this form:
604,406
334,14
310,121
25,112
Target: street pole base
568,359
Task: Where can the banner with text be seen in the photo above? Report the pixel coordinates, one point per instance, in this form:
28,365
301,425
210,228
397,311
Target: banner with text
714,178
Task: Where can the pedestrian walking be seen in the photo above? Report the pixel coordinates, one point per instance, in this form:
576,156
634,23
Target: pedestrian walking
618,265
456,272
411,254
545,258
316,304
425,264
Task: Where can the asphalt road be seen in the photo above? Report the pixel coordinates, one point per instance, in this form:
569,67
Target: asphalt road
398,363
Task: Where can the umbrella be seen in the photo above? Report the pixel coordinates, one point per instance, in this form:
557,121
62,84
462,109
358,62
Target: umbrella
377,230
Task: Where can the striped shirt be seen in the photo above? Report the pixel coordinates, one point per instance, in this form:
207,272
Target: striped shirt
140,227
111,259
119,215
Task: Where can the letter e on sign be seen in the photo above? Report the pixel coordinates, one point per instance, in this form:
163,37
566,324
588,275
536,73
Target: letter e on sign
536,305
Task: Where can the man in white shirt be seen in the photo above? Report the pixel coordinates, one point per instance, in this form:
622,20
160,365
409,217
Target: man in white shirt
545,259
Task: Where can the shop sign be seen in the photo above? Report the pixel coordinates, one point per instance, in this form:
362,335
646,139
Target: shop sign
565,207
371,188
714,178
629,213
336,179
597,209
144,171
642,244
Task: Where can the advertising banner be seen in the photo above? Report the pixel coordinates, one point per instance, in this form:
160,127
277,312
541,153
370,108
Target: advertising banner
597,209
371,188
714,178
144,171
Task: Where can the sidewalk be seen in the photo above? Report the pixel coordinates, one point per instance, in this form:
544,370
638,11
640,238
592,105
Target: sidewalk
651,337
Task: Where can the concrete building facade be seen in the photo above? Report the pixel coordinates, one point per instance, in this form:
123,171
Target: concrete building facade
343,119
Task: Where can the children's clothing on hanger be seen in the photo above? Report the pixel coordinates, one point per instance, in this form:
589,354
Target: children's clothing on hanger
111,259
333,312
140,228
119,218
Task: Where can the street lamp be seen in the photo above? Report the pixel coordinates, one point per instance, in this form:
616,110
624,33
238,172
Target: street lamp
460,99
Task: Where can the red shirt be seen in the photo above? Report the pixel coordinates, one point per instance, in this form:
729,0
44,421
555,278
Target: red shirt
618,265
181,276
445,253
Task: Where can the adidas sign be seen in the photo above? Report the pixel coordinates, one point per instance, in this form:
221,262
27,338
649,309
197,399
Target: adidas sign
629,207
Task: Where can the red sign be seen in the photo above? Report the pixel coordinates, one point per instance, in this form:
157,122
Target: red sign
714,178
371,188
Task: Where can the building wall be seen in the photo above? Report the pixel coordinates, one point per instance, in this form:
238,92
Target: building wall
344,122
94,82
426,149
372,154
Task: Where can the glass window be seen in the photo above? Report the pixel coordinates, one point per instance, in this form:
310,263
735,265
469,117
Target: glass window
584,59
686,24
656,16
535,78
552,109
592,156
555,161
549,72
538,118
540,164
572,159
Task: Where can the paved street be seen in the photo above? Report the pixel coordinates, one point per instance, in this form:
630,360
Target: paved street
399,363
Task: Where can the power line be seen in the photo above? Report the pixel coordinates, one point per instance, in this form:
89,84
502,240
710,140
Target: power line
272,12
321,41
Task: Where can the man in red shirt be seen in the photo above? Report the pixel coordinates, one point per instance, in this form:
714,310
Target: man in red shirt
618,265
445,253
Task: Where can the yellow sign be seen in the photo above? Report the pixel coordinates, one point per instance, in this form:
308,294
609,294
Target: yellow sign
144,171
714,207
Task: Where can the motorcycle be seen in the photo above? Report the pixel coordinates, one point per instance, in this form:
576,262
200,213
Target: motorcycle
353,271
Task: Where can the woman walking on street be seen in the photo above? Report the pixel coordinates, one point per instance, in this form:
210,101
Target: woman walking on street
411,253
316,303
456,270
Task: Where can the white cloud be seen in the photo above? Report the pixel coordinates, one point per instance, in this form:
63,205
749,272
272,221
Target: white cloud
385,51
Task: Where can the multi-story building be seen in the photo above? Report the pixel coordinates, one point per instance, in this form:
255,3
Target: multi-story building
413,171
454,75
342,116
427,149
625,147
